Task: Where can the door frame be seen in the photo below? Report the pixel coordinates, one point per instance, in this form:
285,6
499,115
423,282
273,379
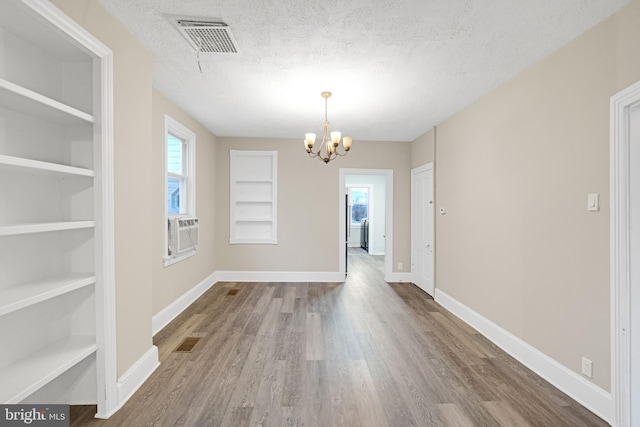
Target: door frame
414,172
620,254
388,256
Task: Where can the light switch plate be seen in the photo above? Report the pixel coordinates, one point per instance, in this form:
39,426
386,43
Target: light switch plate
593,202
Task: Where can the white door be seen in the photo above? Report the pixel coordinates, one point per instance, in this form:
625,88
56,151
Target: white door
422,227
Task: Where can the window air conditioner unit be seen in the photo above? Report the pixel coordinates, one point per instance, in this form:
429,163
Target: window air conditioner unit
184,235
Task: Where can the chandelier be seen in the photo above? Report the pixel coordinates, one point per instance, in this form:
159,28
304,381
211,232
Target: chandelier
330,140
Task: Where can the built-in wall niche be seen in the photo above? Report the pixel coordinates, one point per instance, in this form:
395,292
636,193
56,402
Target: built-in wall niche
56,232
253,193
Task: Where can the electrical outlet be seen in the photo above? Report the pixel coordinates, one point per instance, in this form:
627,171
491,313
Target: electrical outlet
400,266
587,367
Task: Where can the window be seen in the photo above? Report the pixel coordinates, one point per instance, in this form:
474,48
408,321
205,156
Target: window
180,182
177,175
359,198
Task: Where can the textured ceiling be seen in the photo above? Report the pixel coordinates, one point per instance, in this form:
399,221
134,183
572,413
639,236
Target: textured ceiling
396,68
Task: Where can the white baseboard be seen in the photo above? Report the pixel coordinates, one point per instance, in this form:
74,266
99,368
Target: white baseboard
584,392
397,277
171,311
278,276
136,375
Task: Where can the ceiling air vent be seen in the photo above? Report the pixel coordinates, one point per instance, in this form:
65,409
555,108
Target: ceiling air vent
207,36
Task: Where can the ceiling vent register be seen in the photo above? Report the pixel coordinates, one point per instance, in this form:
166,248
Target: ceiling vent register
208,36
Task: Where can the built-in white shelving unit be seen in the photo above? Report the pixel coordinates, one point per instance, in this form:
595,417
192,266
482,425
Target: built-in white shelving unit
254,201
55,234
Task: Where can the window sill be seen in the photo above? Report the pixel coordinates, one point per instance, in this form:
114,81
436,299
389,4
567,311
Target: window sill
172,260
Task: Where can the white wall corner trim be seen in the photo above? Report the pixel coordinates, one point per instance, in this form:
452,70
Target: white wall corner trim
620,252
170,312
279,276
584,392
136,375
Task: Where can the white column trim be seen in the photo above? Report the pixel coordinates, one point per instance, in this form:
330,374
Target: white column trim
620,254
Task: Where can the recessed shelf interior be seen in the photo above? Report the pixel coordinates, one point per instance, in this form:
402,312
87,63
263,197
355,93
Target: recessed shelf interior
57,253
39,368
53,322
44,197
24,136
33,292
40,59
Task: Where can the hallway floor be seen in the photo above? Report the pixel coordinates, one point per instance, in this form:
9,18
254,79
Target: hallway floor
359,353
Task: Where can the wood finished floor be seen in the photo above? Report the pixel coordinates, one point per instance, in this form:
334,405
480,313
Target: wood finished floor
361,353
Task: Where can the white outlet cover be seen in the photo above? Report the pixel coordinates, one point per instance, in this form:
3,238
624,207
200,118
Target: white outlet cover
587,367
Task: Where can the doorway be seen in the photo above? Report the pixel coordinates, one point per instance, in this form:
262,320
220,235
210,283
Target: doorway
625,256
380,213
422,227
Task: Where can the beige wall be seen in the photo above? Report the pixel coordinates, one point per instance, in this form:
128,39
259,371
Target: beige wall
132,175
423,149
308,232
517,244
173,281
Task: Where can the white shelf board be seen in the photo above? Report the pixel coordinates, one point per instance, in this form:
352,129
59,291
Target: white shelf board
22,100
254,219
43,227
247,241
25,294
29,374
44,166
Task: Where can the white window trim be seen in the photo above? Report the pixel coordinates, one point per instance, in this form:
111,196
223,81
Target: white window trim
173,127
